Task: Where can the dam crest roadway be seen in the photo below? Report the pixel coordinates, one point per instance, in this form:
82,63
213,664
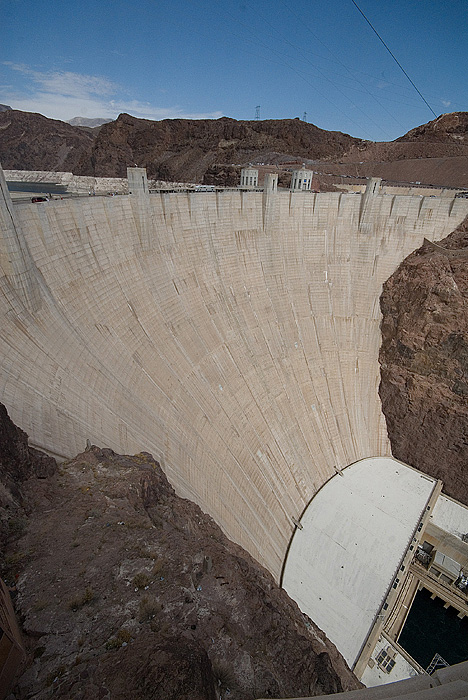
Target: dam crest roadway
234,335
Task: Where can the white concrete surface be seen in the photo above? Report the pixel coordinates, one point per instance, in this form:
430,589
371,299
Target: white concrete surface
450,516
375,674
354,534
234,335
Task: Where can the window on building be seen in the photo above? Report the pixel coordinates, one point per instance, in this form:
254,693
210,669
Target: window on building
385,660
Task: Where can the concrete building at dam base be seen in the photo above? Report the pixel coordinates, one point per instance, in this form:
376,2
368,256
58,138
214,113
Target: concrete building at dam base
235,335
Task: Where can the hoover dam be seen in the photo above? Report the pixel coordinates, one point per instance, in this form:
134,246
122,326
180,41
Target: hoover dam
232,334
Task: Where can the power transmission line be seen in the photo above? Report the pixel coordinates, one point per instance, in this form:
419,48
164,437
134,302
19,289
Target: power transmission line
287,41
394,58
340,63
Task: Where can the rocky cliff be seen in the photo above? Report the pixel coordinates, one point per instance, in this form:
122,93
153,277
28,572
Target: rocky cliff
18,462
424,361
126,590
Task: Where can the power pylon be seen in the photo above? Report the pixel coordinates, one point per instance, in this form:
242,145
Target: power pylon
257,113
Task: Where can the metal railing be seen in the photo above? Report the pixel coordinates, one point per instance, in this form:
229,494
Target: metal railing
437,662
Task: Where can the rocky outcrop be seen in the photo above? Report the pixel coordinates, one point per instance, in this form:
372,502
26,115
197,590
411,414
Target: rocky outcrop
18,463
424,361
126,590
448,128
222,175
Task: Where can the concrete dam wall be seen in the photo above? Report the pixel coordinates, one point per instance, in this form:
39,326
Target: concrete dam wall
234,335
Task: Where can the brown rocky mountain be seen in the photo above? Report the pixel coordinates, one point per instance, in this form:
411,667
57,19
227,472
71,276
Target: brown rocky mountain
444,137
172,149
182,149
212,151
448,128
32,142
125,590
424,361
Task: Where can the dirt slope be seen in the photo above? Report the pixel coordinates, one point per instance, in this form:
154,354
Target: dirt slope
434,153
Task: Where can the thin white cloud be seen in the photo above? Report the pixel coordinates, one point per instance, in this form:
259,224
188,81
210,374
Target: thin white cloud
446,103
64,95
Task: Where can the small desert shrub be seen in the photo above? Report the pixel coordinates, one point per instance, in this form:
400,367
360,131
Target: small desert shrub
40,604
142,551
54,675
16,560
149,608
122,637
224,675
17,527
81,599
159,627
141,580
157,568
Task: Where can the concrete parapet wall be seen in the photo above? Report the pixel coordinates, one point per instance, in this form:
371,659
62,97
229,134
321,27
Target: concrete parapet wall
419,191
234,335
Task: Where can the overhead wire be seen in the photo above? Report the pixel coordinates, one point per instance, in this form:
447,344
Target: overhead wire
394,57
406,98
292,68
316,68
324,76
336,60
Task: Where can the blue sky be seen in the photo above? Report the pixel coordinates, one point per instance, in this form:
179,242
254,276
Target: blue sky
209,58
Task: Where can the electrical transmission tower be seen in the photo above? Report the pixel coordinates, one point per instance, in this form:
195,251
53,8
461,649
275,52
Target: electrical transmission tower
304,118
257,112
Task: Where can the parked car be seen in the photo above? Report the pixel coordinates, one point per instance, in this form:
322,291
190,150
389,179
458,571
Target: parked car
35,200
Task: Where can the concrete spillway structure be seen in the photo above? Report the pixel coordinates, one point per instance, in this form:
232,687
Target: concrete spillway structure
234,335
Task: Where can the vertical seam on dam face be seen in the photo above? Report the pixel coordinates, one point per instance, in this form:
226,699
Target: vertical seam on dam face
235,336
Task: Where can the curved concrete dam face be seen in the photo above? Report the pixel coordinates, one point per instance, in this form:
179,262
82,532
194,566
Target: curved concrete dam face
234,335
